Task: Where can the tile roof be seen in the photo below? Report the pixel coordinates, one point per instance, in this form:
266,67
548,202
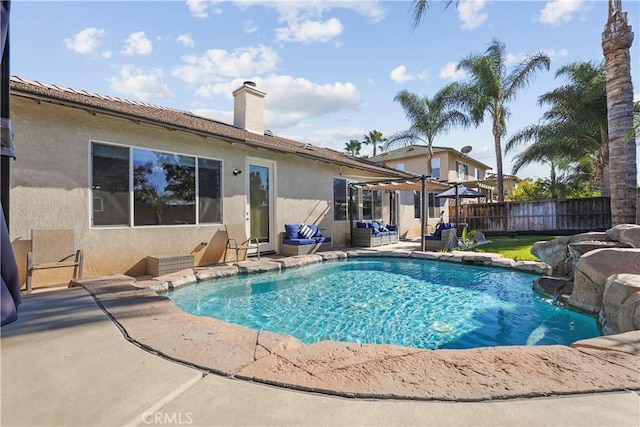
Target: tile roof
418,150
188,122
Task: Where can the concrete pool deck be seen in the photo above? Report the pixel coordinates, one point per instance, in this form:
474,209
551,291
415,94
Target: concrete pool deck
65,362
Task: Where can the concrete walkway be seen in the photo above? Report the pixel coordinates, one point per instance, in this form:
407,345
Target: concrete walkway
66,363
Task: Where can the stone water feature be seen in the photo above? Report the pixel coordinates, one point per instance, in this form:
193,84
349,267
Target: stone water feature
598,273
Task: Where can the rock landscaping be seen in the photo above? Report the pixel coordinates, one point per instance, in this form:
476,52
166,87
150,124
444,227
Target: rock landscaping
598,273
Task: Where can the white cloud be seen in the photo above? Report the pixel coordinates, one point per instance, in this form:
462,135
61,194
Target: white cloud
202,8
400,75
86,41
290,100
217,64
132,81
137,44
449,72
558,12
516,58
295,11
186,40
472,13
636,97
250,27
106,54
310,31
335,138
218,115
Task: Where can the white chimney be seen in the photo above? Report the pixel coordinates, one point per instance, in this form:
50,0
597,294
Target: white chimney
248,108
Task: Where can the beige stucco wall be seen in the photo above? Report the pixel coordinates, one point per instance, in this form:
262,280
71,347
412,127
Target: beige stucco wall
50,190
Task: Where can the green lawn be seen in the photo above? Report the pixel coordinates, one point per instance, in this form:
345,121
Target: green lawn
518,247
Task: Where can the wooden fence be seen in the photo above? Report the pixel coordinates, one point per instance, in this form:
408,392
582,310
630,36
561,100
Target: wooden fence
543,216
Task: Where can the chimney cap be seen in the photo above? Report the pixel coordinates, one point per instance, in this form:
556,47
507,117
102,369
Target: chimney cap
249,83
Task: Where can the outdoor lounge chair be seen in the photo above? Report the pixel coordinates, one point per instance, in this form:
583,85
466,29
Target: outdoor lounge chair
445,237
238,243
293,243
53,249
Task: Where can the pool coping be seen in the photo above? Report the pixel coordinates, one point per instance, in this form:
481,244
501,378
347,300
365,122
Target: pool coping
151,321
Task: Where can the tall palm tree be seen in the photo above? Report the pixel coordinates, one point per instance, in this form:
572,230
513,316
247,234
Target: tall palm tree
575,126
376,139
428,117
616,42
353,147
491,88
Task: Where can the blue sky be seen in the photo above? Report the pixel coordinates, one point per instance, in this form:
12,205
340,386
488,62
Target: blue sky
330,68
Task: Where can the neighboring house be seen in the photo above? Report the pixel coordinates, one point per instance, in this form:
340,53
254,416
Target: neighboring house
136,180
448,165
510,183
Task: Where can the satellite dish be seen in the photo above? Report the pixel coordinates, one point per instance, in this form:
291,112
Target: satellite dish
466,149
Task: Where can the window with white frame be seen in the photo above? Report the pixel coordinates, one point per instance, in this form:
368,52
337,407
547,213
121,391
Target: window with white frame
166,188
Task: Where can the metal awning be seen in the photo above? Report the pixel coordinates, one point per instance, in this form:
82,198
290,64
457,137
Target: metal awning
401,184
421,184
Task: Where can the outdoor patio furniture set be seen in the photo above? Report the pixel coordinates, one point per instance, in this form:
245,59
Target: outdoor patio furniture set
374,233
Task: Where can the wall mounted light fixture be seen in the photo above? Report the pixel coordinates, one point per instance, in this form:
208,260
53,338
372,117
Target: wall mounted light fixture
236,172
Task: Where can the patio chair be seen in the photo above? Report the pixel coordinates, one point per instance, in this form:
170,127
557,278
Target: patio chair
53,249
238,243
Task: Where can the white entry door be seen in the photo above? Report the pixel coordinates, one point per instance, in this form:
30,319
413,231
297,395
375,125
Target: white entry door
260,202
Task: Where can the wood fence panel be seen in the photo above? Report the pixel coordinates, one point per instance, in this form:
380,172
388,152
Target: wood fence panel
574,215
593,213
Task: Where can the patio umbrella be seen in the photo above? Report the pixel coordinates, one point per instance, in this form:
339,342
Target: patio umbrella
459,191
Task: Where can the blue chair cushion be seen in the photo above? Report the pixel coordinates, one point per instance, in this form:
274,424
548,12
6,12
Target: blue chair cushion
322,239
375,225
316,231
292,231
362,225
299,241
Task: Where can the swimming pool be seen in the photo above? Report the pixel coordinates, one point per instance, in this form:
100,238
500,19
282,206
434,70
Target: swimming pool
401,301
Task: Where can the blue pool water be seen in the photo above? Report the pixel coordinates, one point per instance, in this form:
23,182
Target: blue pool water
402,301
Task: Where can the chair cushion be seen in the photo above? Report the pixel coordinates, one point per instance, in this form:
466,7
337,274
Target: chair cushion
299,241
316,231
322,239
375,225
306,231
292,230
362,225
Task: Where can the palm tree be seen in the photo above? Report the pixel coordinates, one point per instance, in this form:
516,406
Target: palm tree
353,147
575,128
427,118
374,138
616,42
491,89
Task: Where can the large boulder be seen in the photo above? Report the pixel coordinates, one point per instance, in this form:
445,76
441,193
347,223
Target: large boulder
592,271
621,303
628,234
556,252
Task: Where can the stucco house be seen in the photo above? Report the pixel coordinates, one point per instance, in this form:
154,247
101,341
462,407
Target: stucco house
135,180
448,166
